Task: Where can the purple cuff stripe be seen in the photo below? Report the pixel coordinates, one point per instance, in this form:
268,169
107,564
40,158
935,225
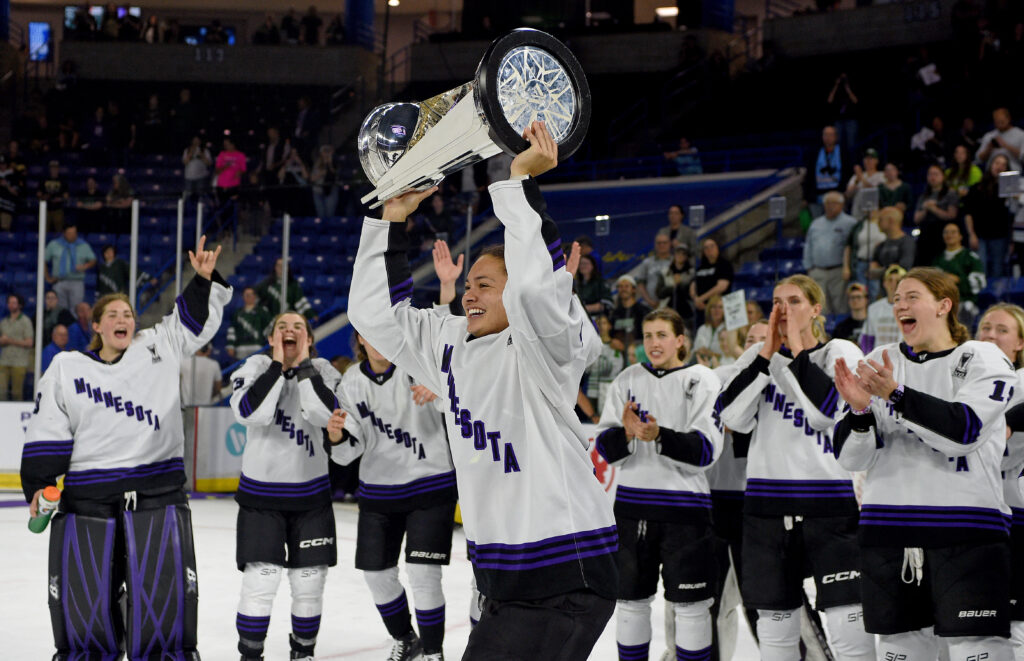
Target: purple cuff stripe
244,407
394,607
306,625
430,617
690,655
187,320
634,652
555,245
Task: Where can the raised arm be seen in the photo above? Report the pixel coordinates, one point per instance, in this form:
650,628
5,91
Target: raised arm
379,298
317,381
814,387
199,310
737,405
256,390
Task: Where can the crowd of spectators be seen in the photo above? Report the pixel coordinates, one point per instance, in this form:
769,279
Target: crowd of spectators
126,24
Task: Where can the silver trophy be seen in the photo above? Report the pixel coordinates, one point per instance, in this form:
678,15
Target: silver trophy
525,76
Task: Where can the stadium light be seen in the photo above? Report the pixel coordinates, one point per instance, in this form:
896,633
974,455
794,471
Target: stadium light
667,12
394,3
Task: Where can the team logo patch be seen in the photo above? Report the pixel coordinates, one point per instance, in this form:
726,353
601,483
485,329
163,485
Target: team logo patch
191,581
152,350
691,388
960,371
238,383
55,587
398,130
509,341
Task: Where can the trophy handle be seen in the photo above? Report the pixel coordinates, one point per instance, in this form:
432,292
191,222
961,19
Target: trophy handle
486,87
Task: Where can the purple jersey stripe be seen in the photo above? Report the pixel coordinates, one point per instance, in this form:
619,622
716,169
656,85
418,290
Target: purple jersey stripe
97,475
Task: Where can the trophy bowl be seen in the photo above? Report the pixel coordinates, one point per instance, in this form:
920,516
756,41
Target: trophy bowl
524,76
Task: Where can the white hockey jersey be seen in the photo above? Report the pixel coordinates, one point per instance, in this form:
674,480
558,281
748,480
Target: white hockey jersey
110,428
790,406
933,461
727,477
406,463
537,521
284,466
663,480
1013,463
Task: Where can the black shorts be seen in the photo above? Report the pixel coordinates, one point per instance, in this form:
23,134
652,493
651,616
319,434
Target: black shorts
1017,571
683,552
776,561
964,591
289,539
428,534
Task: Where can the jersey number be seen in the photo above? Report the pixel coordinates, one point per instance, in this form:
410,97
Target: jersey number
998,393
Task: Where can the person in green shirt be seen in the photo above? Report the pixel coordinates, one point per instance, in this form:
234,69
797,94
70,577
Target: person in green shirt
112,273
966,267
269,292
68,257
15,348
894,192
249,326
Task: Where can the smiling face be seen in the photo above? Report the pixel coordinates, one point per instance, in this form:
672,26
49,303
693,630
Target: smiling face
710,248
716,313
960,154
952,237
662,345
1001,328
921,317
116,326
485,311
290,332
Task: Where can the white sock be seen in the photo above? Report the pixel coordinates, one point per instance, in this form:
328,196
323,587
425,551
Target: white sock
778,634
1017,639
847,637
693,628
920,645
972,648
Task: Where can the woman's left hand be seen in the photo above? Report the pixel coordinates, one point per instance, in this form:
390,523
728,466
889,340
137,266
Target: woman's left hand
204,261
877,379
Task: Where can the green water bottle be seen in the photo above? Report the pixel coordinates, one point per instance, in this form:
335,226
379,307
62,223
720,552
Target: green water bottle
48,502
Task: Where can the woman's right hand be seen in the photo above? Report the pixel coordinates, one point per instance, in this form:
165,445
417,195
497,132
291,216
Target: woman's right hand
33,508
336,426
773,342
277,348
850,387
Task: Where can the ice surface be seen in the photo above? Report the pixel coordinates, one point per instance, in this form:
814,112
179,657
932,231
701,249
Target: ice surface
351,627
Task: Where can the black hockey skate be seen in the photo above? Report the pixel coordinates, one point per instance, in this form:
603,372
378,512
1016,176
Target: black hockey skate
300,651
406,648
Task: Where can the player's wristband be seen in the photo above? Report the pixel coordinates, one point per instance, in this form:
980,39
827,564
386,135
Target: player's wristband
863,411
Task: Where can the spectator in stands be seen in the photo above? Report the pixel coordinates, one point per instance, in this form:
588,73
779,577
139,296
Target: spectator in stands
1005,139
200,379
119,204
628,312
651,269
113,273
15,348
342,363
678,232
964,174
172,32
989,221
713,277
437,220
936,206
151,131
850,327
248,330
894,192
823,251
216,35
54,191
844,107
336,30
269,293
10,194
267,34
865,237
825,172
592,288
69,258
708,347
80,332
324,178
290,27
67,134
294,180
586,246
89,213
121,132
966,268
969,135
110,27
881,326
864,178
685,158
130,28
898,248
675,281
311,24
307,126
602,372
54,314
58,343
151,33
197,161
184,120
229,168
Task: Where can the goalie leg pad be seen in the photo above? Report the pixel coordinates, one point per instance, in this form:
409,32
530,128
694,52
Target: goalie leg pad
162,585
84,585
